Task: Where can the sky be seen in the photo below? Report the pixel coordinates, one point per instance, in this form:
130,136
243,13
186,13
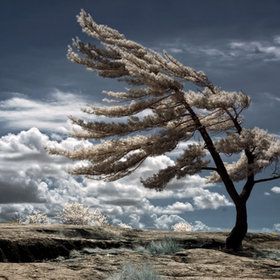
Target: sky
236,43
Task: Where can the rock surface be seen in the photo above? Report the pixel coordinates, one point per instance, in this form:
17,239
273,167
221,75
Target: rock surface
81,252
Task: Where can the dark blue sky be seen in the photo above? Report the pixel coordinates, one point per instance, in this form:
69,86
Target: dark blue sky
35,35
237,43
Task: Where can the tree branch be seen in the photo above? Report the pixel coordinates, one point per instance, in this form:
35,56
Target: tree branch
246,191
267,179
221,169
209,168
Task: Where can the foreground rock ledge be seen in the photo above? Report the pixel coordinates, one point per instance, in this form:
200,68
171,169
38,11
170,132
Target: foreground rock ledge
82,252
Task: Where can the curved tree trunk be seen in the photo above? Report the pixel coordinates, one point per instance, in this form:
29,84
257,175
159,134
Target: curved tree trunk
236,236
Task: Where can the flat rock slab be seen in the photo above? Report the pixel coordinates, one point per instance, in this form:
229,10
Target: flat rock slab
96,253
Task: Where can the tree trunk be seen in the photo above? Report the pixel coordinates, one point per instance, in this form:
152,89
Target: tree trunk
236,236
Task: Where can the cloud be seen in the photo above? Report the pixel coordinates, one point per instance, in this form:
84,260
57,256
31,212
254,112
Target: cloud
179,47
167,221
266,50
229,52
276,190
175,50
31,179
11,212
211,200
199,226
21,112
276,227
179,207
29,174
276,40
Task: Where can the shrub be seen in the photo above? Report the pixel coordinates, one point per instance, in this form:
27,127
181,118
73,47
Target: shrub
163,247
268,254
122,225
182,227
132,272
79,214
36,218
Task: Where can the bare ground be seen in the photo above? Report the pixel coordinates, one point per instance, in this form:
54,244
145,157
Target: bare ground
79,252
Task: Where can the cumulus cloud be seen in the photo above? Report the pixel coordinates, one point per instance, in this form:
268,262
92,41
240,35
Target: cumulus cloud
210,200
179,207
29,174
199,226
167,221
32,179
276,190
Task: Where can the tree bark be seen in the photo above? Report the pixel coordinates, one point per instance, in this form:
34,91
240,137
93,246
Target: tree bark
236,236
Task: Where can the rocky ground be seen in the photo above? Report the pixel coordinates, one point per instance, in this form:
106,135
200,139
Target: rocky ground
81,252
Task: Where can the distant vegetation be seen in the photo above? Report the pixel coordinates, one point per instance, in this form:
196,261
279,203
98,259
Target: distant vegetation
79,214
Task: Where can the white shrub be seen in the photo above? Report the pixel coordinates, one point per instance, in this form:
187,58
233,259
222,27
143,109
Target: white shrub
182,227
36,218
122,225
79,214
99,219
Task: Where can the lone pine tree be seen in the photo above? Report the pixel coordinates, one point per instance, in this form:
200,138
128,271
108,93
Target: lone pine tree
158,83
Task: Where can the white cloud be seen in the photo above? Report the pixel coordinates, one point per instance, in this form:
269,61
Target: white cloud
267,50
228,52
275,189
267,193
175,50
29,174
211,200
167,221
21,112
179,207
35,179
199,226
276,227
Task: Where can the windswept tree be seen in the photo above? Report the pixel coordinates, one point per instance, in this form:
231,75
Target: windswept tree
161,109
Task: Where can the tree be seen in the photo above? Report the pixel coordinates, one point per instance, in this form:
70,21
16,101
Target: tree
170,114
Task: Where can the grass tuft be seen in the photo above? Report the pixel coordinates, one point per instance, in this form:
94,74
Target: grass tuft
166,246
133,272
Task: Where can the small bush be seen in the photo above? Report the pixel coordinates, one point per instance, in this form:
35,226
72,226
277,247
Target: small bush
78,214
126,226
36,218
182,227
166,246
132,272
268,254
